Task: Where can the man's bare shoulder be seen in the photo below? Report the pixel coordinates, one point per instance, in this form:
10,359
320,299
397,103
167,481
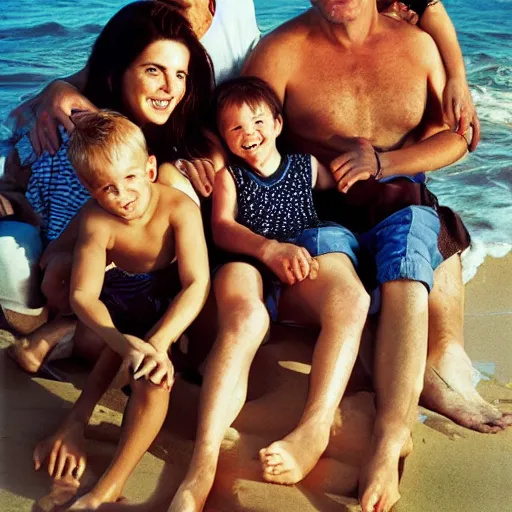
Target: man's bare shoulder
411,39
283,42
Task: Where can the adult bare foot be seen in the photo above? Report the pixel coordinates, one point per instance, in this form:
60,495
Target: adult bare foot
288,461
380,477
192,494
449,390
23,354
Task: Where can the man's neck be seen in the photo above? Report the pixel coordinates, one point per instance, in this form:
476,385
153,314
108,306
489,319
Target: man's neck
352,32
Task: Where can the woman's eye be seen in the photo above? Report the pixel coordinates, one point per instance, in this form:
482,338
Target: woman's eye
181,76
151,70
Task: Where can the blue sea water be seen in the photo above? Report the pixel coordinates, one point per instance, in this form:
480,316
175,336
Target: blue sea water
43,40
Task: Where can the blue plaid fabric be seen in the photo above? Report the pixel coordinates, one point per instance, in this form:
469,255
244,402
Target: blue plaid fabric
54,190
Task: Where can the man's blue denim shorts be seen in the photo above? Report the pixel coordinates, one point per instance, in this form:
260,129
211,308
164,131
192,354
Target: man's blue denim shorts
405,246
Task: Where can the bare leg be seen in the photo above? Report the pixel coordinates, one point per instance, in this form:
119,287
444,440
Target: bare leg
449,386
337,302
243,322
143,419
401,351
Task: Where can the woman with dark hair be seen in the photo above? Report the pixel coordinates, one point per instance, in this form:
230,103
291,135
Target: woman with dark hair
146,63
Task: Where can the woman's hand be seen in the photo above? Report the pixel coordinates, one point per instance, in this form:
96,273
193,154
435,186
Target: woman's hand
397,10
360,163
200,172
459,109
65,451
291,263
54,107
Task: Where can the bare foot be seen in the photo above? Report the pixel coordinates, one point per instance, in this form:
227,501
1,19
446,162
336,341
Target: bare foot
379,483
192,494
288,461
63,490
28,358
91,502
449,390
379,478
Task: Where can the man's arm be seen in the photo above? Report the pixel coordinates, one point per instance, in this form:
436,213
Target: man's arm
51,107
192,257
87,278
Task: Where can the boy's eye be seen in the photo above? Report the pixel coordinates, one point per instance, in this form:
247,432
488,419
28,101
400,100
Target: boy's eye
108,189
130,177
259,121
236,129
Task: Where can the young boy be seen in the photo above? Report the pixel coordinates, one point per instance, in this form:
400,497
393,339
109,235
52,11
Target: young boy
285,258
142,227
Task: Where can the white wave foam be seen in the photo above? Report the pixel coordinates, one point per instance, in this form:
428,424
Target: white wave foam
473,257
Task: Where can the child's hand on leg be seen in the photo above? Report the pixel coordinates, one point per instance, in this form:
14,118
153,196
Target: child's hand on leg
291,263
158,369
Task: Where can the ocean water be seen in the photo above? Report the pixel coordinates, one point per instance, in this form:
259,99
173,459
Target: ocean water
43,40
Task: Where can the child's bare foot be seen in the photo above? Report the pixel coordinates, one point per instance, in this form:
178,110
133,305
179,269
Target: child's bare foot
288,461
91,502
63,490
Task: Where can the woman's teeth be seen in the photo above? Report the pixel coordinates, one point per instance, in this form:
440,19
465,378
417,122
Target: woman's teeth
160,104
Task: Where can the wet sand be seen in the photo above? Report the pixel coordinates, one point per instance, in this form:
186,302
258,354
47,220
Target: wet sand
451,469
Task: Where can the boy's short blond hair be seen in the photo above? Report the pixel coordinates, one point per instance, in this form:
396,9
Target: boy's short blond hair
99,139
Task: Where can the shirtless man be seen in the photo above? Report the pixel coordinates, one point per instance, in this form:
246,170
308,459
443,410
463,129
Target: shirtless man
337,71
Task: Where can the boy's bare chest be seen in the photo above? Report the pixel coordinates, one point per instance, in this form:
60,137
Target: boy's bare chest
143,248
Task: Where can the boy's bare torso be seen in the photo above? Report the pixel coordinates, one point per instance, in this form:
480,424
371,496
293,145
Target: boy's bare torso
147,244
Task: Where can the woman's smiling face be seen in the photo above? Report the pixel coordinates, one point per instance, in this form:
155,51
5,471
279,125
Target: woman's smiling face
156,82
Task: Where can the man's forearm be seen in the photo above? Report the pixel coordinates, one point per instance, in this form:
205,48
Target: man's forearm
437,151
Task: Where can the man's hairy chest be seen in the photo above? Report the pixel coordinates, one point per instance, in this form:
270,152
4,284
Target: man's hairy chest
380,98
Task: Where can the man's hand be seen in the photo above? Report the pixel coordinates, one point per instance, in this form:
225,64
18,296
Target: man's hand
200,172
291,263
53,108
65,451
459,109
355,165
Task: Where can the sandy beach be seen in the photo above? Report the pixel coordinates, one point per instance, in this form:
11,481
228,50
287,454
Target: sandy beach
451,468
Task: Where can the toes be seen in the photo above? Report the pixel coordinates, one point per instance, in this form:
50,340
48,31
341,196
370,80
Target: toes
273,460
282,478
275,470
